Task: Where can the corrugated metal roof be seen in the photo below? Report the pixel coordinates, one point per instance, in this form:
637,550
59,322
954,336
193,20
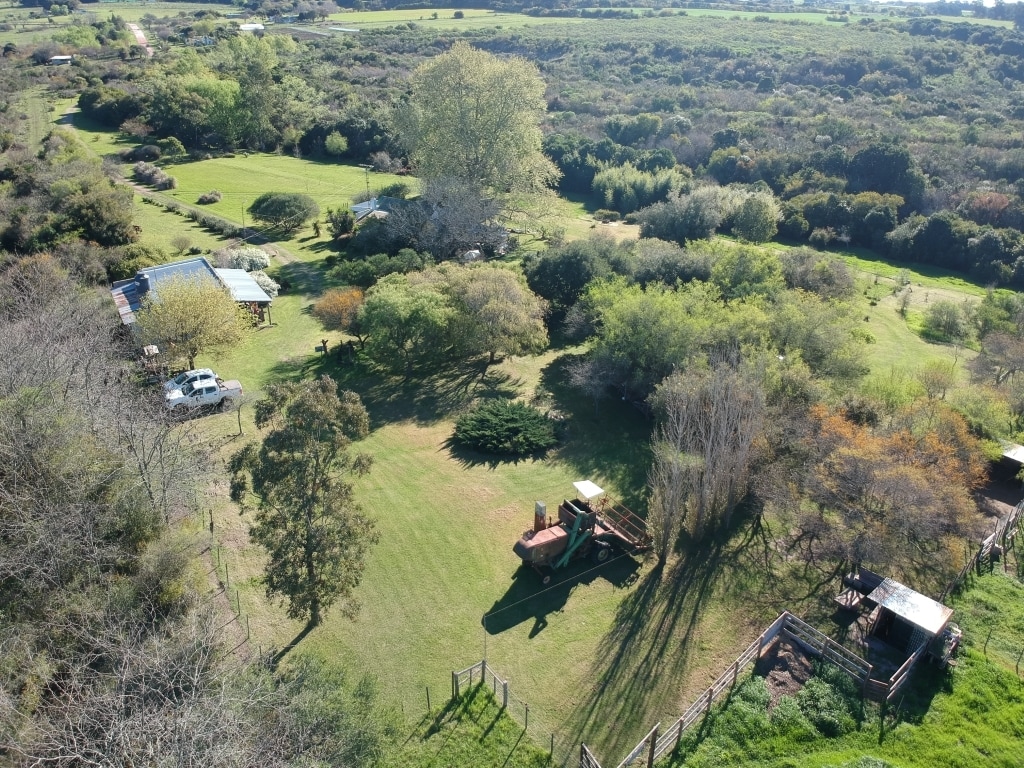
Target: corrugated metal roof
1014,452
919,610
128,294
377,206
242,286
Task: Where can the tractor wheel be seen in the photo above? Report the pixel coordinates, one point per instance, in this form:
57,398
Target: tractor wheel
601,552
225,404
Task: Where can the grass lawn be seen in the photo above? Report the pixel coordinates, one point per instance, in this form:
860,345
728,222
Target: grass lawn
245,176
472,732
160,228
38,116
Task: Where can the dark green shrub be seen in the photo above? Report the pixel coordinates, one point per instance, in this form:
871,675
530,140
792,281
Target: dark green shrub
507,428
399,189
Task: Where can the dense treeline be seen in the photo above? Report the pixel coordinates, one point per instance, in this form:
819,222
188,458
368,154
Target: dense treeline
857,133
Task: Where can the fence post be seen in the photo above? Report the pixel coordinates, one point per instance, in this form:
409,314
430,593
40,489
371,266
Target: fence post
707,707
526,725
760,644
428,699
650,751
504,694
679,734
455,685
735,671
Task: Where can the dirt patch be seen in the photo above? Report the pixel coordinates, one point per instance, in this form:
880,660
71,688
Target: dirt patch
785,668
508,512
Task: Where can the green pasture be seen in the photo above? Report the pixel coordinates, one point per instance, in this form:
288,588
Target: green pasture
159,229
473,732
245,176
134,10
472,19
620,644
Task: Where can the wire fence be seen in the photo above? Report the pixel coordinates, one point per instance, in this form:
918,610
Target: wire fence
535,724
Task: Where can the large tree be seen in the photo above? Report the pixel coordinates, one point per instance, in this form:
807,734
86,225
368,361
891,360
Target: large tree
287,211
474,116
496,313
450,216
187,317
306,516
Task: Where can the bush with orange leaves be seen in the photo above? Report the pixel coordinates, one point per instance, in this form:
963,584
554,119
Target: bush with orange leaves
338,310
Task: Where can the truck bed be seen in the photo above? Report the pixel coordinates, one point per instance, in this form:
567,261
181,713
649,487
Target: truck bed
613,520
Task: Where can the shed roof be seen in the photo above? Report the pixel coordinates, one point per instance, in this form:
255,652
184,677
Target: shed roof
377,206
242,286
1014,452
918,609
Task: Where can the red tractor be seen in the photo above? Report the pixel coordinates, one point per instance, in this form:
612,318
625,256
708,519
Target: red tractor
591,525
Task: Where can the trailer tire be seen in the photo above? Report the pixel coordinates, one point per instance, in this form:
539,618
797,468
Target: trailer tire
545,579
602,552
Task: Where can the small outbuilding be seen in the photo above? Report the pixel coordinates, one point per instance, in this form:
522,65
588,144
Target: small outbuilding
906,619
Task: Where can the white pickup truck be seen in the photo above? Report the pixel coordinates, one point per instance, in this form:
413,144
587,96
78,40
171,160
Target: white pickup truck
203,394
189,377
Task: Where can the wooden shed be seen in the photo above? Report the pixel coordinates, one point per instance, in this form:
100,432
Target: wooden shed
906,619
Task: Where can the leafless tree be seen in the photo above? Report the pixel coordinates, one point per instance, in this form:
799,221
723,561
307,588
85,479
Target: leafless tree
712,417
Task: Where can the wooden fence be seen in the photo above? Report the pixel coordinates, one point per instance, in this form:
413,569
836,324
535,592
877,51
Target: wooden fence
484,674
587,759
518,709
824,646
656,744
902,675
1006,530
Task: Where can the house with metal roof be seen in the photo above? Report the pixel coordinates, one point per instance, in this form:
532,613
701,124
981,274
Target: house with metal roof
128,294
377,207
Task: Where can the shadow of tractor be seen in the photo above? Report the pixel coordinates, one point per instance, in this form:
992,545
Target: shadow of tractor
527,599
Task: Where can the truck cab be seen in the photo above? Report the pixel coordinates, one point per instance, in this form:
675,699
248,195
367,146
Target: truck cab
203,393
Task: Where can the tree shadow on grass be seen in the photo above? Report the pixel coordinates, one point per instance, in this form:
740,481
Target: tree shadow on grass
300,277
292,644
528,599
391,399
609,443
651,641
